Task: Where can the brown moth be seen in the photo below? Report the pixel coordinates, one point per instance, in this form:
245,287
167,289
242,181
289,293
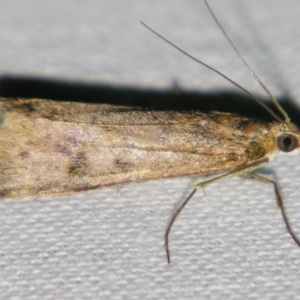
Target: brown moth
50,148
54,148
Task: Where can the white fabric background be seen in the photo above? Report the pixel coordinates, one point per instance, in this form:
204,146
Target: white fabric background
230,243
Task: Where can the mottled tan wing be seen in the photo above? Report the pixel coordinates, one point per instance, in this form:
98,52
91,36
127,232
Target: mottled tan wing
49,147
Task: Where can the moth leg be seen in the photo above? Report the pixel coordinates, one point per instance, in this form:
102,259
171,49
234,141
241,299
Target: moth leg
279,202
235,172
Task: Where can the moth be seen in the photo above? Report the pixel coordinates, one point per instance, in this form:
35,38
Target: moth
50,148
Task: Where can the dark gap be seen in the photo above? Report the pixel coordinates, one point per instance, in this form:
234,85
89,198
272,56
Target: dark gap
173,99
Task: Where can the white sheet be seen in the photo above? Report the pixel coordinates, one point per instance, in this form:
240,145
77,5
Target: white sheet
230,243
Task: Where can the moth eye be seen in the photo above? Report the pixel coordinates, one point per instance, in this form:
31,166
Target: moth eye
287,142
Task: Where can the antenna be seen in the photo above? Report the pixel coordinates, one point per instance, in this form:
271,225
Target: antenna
272,98
284,119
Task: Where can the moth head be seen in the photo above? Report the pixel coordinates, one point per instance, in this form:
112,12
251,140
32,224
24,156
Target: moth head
287,142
